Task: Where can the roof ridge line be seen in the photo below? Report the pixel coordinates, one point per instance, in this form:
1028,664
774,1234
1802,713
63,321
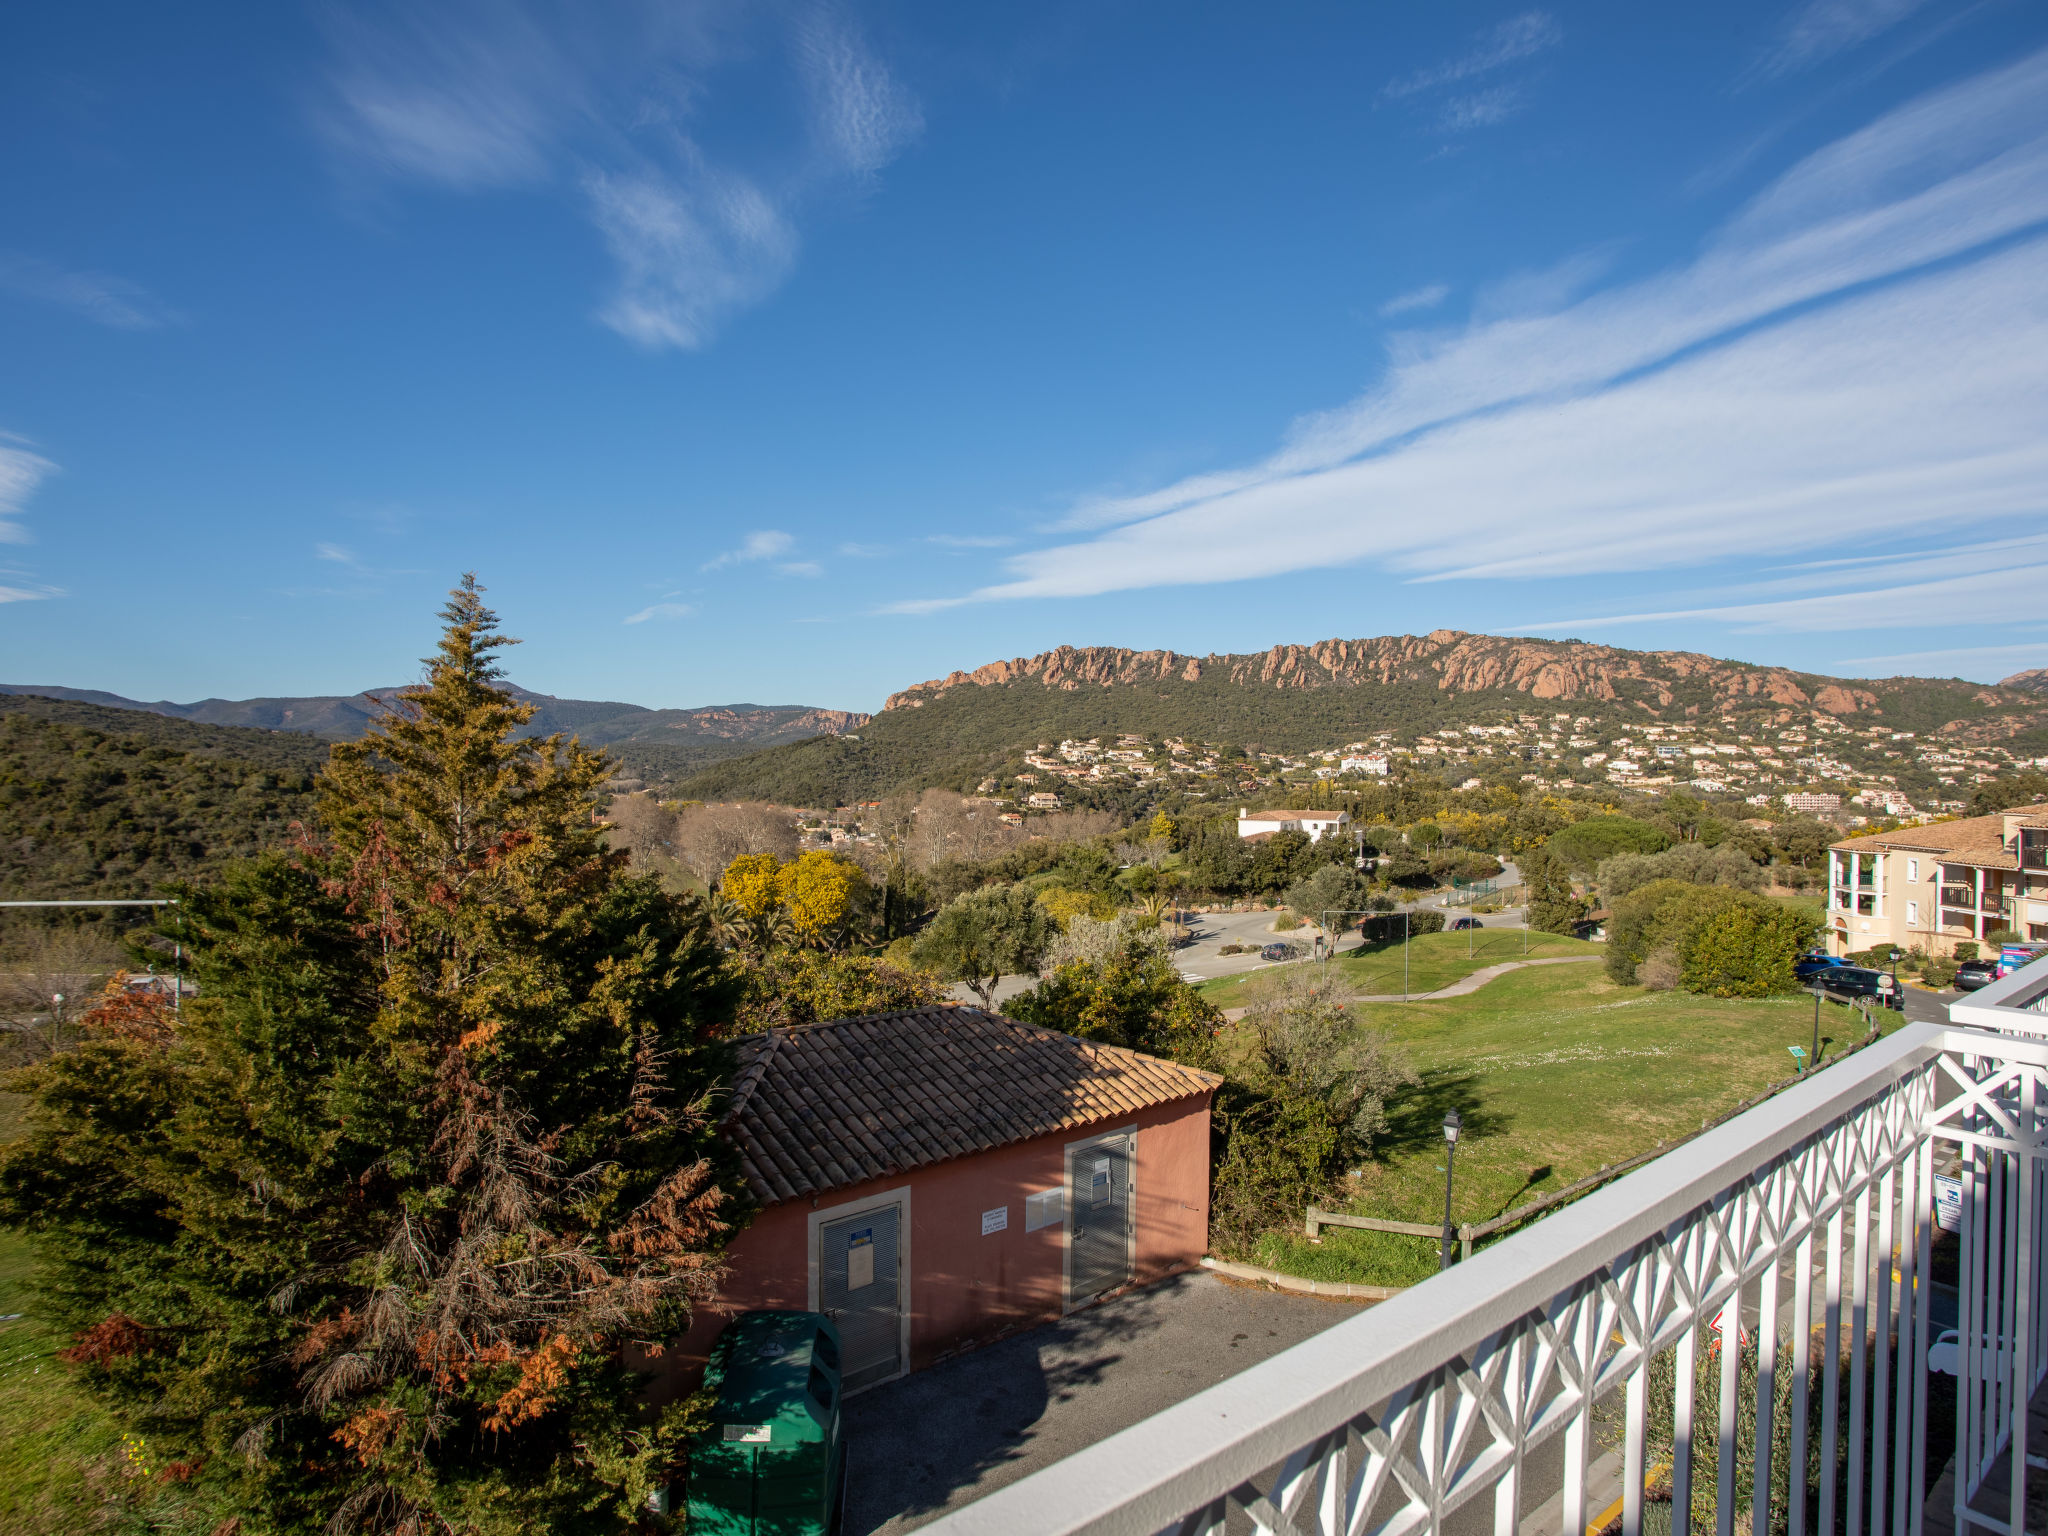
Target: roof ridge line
750,1077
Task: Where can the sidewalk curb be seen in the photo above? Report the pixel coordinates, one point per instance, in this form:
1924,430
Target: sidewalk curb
1296,1283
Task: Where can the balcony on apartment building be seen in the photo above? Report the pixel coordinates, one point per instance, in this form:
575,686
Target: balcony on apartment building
1585,1352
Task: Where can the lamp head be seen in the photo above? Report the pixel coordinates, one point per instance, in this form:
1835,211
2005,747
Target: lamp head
1452,1125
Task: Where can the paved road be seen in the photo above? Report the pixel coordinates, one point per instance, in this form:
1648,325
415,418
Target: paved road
946,1436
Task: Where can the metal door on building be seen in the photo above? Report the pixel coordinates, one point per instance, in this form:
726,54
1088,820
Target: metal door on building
1101,1221
860,1268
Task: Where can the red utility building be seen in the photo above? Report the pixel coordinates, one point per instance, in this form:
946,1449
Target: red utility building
934,1178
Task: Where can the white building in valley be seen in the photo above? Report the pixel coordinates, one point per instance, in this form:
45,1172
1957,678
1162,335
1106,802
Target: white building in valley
1317,824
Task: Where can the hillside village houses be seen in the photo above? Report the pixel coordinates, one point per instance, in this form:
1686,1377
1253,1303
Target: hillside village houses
1811,765
1929,887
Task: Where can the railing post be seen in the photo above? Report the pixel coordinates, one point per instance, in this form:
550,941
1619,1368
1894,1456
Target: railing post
2022,1296
1585,1347
1314,1222
1831,1379
1465,1242
1859,1356
1923,1297
1911,1197
1796,1458
1731,1393
1766,1389
1881,1338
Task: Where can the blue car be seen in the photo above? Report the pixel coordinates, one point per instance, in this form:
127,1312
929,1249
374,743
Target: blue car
1809,966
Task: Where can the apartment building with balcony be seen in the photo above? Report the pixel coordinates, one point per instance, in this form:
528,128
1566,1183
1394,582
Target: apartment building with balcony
1931,887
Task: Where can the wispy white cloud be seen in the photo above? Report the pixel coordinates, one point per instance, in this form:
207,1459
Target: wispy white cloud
1820,29
765,545
1482,109
863,551
801,568
620,106
864,115
338,554
659,611
1426,297
1858,356
971,540
1905,605
98,296
2021,656
20,473
1517,38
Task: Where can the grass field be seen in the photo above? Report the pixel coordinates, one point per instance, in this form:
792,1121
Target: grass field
1555,1071
58,1451
1434,960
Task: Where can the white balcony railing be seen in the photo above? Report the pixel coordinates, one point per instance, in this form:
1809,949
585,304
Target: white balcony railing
1807,1221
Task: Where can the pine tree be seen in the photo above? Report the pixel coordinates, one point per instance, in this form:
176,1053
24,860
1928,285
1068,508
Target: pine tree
359,1239
1552,906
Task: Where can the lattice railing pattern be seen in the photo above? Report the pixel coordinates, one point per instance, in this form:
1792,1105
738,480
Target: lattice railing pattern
1805,1225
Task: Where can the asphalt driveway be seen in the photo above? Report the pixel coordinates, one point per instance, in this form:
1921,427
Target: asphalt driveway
946,1436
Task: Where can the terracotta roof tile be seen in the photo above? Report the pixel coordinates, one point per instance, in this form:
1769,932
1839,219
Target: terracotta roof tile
824,1106
1975,840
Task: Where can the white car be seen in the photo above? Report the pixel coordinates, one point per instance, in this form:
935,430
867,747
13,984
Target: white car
1945,1354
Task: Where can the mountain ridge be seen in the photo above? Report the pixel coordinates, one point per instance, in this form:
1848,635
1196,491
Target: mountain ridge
600,722
955,730
1464,663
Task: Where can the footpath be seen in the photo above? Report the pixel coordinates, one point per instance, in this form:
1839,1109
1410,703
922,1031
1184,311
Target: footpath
1469,984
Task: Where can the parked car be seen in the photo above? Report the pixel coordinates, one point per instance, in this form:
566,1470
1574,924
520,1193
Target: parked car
1861,981
1277,952
1460,924
1972,974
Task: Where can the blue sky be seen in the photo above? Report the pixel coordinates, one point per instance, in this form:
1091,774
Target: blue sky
793,353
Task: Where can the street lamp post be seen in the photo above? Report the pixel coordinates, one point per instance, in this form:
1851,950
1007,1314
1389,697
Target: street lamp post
1898,1000
1452,1125
1814,1060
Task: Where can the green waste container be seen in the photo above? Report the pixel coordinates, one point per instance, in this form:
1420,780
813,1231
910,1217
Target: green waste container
773,1462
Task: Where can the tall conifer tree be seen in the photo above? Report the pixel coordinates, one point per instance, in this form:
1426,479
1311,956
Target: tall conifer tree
356,1242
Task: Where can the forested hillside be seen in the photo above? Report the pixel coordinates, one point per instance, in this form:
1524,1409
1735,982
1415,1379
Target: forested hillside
98,802
659,745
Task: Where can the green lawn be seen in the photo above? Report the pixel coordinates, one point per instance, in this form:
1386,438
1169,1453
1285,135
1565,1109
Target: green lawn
1434,960
59,1451
1555,1072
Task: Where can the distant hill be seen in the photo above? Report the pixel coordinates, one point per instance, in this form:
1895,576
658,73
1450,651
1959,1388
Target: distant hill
111,803
1297,697
659,745
2033,681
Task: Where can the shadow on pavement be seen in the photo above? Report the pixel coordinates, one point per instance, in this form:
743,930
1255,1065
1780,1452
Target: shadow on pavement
947,1435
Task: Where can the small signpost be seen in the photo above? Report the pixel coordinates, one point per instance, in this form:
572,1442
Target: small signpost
1799,1055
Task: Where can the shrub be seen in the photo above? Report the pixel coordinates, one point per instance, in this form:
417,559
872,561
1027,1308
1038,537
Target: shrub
1305,1096
1627,872
1285,921
1063,904
1334,888
1655,915
1585,844
803,986
1387,927
1744,950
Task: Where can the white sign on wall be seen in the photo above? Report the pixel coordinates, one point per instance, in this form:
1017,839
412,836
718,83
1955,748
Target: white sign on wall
997,1220
1044,1209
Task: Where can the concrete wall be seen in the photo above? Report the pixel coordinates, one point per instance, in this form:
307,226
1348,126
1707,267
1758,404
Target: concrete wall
966,1288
